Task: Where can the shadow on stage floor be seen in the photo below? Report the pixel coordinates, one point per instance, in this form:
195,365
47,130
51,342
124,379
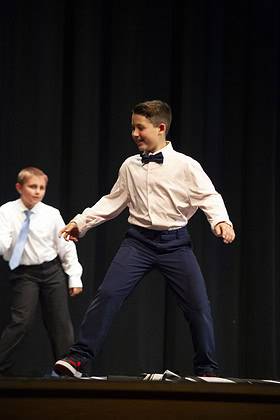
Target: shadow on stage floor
132,398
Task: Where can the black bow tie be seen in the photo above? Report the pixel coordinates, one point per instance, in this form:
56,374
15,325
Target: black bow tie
158,158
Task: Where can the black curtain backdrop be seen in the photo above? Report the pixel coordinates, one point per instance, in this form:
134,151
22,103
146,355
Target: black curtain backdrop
70,73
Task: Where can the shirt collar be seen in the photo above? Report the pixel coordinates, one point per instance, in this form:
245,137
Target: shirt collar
167,148
23,208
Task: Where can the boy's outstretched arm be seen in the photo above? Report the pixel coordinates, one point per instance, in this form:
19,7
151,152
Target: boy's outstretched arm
70,232
225,231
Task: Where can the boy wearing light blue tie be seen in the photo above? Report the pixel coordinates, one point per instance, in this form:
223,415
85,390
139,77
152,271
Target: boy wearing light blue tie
40,264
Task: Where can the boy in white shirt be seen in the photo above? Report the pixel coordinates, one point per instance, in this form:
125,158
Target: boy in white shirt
162,190
40,263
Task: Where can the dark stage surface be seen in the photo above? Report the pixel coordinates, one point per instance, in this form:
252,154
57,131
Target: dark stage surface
128,398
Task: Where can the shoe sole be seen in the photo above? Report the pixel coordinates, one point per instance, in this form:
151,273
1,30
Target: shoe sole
63,368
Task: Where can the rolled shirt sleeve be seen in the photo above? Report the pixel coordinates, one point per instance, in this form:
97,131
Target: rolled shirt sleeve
202,194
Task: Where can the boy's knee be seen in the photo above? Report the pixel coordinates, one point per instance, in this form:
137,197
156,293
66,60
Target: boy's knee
20,321
107,294
110,296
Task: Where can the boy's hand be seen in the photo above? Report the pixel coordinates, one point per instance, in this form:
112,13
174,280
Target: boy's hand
224,231
74,291
70,232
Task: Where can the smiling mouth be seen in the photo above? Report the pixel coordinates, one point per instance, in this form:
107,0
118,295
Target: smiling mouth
139,142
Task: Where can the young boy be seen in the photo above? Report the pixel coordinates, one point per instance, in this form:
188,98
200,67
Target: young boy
38,260
162,190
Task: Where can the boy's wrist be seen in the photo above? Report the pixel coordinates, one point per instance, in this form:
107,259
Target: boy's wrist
223,221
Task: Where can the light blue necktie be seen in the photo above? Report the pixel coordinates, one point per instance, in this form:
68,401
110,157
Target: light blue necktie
20,242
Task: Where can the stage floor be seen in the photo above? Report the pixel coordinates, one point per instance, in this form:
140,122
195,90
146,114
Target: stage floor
128,398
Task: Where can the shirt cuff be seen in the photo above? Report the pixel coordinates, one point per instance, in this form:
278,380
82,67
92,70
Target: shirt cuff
216,222
74,282
80,222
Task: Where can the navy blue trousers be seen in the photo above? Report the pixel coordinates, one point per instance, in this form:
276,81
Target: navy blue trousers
142,250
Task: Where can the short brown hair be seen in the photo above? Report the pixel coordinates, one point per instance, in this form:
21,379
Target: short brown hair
26,173
156,111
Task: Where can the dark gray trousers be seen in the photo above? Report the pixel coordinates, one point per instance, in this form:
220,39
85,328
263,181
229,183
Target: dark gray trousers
46,283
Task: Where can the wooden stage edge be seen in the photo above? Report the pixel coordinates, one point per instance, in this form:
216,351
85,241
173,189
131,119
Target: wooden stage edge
69,399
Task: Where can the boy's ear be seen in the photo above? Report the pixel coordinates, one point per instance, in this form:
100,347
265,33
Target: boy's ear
18,187
162,128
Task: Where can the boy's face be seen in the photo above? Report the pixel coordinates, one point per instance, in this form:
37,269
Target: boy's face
147,137
32,190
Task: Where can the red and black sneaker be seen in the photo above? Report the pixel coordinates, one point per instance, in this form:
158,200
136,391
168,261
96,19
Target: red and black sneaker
68,367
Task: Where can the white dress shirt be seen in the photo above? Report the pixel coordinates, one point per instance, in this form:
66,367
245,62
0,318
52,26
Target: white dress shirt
43,243
158,196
